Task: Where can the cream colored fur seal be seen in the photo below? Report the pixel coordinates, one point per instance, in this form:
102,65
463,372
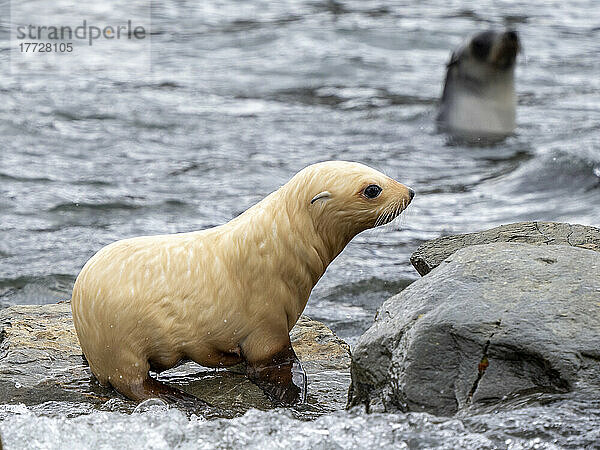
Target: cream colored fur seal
228,294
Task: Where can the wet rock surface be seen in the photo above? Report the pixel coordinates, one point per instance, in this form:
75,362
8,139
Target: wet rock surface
492,322
41,361
430,254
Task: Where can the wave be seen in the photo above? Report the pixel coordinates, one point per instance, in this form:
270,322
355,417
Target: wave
347,97
83,207
33,290
70,115
74,206
9,177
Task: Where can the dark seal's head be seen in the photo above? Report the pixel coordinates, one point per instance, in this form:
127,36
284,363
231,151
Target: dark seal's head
490,49
479,94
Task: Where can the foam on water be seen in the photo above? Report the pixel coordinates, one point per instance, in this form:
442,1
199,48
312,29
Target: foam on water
526,424
159,427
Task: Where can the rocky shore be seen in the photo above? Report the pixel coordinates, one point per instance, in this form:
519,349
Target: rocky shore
430,254
41,361
506,312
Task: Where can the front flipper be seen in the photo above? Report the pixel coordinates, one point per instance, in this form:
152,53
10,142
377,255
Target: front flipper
281,377
299,378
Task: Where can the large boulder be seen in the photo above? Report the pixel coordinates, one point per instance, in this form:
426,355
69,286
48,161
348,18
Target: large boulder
41,361
430,254
492,321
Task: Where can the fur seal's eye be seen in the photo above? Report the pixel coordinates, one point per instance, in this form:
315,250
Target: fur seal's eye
372,191
480,48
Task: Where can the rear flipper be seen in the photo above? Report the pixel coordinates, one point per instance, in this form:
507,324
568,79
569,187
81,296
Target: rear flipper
280,377
152,388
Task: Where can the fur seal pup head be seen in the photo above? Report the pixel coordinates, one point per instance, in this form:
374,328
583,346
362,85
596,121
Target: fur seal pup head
227,294
479,96
347,198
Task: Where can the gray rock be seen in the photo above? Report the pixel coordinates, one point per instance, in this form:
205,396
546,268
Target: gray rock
430,254
492,321
41,361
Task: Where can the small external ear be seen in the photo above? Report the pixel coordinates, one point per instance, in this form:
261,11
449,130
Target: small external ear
324,194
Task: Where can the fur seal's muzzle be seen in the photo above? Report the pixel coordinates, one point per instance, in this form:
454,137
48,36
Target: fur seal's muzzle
508,48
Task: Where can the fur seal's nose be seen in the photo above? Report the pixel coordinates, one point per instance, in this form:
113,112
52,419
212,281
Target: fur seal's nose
411,193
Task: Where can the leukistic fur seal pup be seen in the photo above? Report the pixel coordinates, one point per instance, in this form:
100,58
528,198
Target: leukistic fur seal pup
228,294
479,96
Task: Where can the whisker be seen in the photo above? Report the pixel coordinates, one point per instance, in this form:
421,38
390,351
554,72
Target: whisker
397,210
389,214
382,216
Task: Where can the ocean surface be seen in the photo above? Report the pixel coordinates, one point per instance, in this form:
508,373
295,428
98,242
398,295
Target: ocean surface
238,97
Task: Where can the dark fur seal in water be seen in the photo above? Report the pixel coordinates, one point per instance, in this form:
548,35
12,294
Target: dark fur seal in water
479,96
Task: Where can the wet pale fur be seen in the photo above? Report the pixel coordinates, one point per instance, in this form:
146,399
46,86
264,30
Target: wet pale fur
233,291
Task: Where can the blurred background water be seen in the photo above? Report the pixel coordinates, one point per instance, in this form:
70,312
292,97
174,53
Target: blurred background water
242,95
